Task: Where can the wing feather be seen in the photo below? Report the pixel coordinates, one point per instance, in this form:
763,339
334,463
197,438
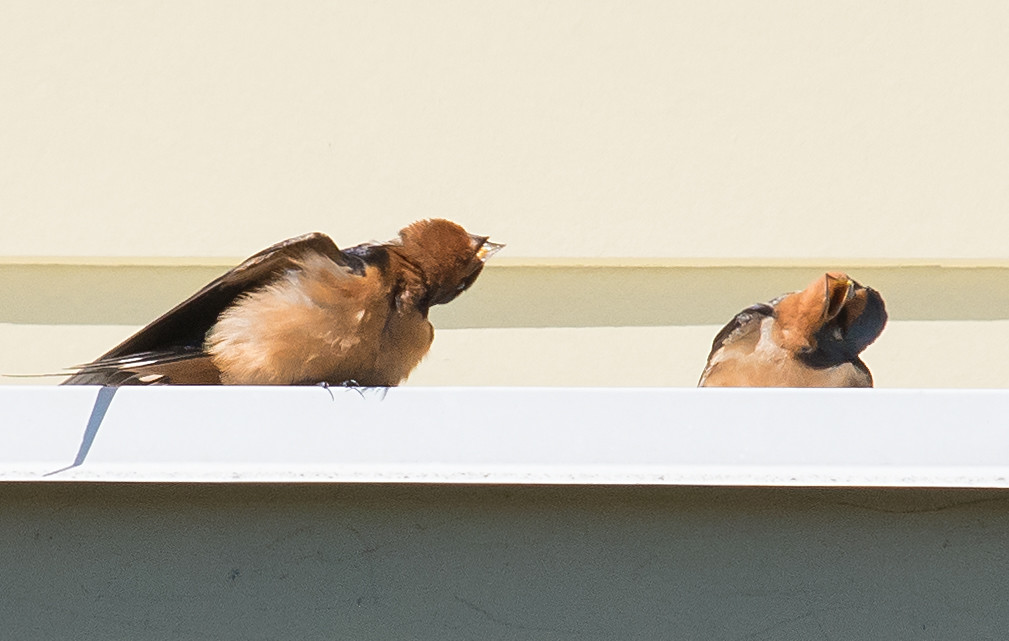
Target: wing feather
739,324
178,334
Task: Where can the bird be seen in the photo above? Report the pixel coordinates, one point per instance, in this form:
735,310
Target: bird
809,338
304,312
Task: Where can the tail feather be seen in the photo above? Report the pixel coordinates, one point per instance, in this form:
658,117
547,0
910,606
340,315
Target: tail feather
187,367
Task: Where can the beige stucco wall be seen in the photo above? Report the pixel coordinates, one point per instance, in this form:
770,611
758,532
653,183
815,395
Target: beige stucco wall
653,167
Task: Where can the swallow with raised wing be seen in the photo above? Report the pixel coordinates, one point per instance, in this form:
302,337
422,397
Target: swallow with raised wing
810,338
304,312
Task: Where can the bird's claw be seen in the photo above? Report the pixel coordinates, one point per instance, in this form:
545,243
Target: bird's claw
324,385
354,385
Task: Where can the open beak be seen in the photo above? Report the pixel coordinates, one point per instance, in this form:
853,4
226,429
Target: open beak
488,249
840,289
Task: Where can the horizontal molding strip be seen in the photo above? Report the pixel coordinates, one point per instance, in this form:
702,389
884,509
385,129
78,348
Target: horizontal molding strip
599,436
544,261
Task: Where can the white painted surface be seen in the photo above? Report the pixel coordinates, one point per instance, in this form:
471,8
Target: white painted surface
508,435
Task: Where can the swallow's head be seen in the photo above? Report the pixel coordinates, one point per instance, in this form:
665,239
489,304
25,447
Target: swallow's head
858,323
449,257
831,321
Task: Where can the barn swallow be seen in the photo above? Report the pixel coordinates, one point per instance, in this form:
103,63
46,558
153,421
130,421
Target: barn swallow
305,312
810,338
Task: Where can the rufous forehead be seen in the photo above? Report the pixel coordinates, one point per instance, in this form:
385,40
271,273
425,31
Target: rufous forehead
434,226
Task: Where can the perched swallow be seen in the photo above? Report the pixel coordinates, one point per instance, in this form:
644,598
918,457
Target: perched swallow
810,338
305,312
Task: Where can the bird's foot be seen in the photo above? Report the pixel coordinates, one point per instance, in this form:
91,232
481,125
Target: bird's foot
324,385
354,385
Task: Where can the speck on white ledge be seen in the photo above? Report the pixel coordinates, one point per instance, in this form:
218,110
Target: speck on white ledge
513,435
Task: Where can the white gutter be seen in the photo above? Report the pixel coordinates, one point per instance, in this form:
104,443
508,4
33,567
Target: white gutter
621,436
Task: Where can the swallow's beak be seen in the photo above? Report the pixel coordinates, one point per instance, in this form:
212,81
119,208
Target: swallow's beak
839,290
488,249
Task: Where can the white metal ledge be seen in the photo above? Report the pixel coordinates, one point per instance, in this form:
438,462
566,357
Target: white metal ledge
900,438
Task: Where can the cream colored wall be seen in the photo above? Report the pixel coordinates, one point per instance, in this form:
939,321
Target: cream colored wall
599,326
732,149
